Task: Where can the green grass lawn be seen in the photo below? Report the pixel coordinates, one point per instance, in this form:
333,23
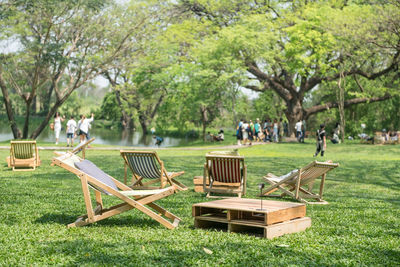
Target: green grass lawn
360,226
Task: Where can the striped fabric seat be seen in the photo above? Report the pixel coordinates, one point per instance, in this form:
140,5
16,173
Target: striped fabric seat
23,150
23,154
226,175
225,170
147,165
144,165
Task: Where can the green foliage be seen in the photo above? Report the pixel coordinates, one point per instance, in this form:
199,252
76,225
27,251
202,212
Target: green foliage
72,106
109,110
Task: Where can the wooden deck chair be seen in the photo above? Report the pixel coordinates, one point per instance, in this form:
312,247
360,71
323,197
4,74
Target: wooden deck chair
93,177
147,165
81,147
24,155
229,172
293,183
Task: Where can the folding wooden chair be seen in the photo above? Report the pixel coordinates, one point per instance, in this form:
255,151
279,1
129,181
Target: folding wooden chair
81,147
229,172
24,155
147,165
93,177
293,183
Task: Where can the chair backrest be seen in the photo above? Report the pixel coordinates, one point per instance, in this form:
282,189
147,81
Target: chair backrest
315,169
225,169
79,166
91,169
143,163
23,149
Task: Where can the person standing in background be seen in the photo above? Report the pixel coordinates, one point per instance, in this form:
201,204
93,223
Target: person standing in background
257,128
298,127
71,129
239,134
245,132
57,125
285,129
321,141
275,135
84,127
250,130
303,131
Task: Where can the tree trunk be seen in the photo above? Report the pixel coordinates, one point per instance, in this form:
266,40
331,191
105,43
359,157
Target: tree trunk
340,98
144,124
127,121
50,114
294,112
47,100
27,117
7,102
204,120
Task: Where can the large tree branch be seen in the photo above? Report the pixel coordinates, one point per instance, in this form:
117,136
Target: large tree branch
269,82
318,78
319,108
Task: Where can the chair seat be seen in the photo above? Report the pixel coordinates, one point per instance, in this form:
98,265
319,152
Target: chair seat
277,179
144,192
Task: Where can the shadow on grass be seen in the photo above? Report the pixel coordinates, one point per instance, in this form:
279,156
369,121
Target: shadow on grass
123,221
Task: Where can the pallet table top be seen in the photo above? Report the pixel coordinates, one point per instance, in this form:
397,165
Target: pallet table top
250,205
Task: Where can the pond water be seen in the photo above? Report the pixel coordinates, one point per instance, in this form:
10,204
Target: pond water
106,137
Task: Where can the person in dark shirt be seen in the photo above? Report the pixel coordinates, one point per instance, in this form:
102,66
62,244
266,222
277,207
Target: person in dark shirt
159,140
321,141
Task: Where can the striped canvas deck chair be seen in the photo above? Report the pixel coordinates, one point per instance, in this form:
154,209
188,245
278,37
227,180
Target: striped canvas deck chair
148,171
229,172
24,156
101,183
293,184
81,147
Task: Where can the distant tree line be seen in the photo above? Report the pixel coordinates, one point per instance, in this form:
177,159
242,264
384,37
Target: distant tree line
184,63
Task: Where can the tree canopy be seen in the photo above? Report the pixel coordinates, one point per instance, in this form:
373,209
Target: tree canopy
187,62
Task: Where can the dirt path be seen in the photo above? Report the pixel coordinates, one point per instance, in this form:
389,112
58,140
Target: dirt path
146,148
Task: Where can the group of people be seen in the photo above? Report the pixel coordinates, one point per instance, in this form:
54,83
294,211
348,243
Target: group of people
215,137
73,128
267,131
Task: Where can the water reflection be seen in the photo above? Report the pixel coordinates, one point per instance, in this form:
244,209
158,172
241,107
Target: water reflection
106,137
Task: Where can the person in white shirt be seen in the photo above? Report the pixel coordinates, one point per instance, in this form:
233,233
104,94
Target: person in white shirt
57,125
298,127
84,127
71,128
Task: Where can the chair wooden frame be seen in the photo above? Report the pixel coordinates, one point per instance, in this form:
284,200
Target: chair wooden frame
293,185
141,200
23,154
157,173
81,147
224,187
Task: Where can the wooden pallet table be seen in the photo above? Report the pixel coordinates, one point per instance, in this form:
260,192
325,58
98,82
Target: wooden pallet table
245,215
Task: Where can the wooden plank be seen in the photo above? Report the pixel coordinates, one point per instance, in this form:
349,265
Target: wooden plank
250,205
288,227
212,219
285,215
